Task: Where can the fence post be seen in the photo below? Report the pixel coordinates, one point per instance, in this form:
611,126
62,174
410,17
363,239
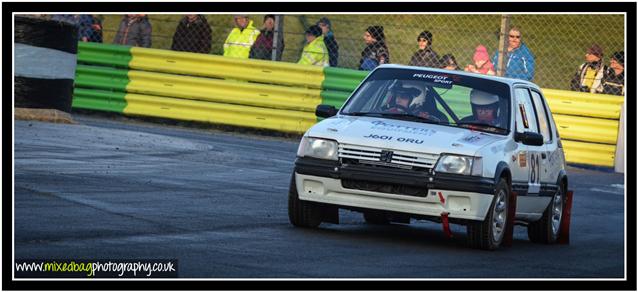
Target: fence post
278,38
502,41
619,161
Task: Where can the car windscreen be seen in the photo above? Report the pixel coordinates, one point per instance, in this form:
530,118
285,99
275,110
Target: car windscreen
433,97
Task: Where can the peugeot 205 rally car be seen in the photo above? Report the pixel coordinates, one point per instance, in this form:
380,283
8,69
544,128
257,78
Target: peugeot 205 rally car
446,146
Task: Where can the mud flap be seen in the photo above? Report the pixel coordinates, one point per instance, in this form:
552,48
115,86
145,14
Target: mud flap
563,237
508,237
445,222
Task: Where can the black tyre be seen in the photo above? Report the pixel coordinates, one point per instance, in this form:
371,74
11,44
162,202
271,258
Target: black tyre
547,229
302,213
489,233
376,218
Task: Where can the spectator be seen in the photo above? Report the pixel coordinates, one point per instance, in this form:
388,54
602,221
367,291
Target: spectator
241,38
449,62
589,76
95,33
82,21
376,52
135,30
425,56
330,41
193,34
315,51
519,62
482,63
614,78
262,48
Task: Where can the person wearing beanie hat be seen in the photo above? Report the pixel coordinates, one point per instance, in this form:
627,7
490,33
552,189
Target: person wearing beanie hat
241,38
376,51
614,77
330,41
482,63
315,51
425,56
590,74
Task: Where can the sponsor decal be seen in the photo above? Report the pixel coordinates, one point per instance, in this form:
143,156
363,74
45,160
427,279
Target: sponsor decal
523,116
443,80
475,138
392,127
522,159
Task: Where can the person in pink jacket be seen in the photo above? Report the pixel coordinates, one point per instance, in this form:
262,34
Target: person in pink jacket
482,63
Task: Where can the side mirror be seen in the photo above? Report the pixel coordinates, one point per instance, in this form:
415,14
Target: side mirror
529,138
325,111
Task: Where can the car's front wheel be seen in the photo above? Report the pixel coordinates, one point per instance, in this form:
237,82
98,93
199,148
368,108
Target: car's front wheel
302,213
547,229
489,233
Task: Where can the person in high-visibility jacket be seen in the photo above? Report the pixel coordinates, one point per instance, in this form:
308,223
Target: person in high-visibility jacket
241,38
315,51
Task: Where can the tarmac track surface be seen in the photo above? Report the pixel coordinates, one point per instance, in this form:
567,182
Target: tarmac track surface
217,202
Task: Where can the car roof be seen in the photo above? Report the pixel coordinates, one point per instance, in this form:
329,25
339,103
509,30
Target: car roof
509,81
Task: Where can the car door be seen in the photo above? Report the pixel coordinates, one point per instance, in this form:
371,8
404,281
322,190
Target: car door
529,156
551,160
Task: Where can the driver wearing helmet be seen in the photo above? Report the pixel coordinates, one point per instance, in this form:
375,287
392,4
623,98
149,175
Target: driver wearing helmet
401,99
485,108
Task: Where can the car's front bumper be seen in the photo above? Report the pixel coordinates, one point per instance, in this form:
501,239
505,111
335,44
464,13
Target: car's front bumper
462,197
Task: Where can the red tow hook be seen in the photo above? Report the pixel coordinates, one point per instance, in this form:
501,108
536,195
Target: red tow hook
563,236
446,224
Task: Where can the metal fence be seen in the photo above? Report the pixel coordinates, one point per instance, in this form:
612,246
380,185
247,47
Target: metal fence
557,42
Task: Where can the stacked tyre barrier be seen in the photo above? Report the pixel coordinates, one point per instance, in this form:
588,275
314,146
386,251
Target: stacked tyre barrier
282,96
45,61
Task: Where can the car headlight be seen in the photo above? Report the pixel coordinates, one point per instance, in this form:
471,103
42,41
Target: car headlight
464,165
318,148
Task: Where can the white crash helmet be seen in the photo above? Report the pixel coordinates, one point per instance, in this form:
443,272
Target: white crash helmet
479,98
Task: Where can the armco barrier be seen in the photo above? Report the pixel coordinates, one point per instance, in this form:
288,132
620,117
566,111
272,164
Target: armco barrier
219,113
282,96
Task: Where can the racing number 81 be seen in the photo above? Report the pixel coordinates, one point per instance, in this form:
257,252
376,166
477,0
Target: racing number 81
535,169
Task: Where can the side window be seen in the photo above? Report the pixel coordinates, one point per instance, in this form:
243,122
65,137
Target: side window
525,114
543,117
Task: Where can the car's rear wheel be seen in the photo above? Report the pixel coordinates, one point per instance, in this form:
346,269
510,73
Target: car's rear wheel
302,213
376,218
547,229
489,233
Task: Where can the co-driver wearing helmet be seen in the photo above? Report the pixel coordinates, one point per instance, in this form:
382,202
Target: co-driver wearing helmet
484,108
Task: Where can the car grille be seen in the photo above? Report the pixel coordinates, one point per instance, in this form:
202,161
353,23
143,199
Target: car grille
400,159
384,188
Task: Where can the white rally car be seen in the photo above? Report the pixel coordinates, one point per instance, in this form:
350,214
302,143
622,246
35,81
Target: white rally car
446,146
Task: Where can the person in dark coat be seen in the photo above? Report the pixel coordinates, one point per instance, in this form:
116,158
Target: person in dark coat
95,33
193,34
425,56
134,30
263,46
448,61
614,77
330,41
82,21
376,51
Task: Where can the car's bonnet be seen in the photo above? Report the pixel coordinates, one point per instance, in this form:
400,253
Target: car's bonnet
394,134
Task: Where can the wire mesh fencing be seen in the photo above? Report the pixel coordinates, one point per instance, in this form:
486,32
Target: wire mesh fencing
548,49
